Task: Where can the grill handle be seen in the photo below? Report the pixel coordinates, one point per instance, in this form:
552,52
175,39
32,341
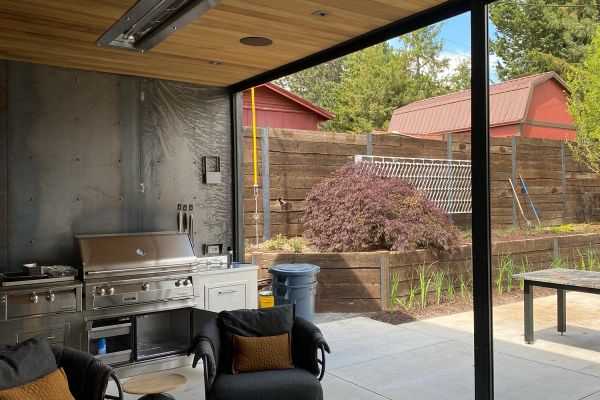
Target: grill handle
118,271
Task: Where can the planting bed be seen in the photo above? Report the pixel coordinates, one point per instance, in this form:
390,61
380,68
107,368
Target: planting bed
376,281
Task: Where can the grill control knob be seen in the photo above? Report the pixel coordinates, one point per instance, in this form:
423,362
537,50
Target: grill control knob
186,282
101,291
178,283
145,286
50,296
34,298
110,291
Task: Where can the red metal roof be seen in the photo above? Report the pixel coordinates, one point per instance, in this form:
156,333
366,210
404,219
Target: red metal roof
509,104
303,102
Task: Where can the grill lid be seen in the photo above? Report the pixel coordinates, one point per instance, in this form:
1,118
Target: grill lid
134,253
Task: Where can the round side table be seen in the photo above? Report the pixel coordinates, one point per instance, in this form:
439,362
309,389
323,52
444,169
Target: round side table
154,386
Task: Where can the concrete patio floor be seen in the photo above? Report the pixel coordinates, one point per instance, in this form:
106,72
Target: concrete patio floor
433,359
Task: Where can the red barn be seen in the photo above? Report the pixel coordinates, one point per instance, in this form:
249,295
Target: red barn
278,108
531,107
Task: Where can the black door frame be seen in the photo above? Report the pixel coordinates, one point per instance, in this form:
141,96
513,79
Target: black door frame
481,215
482,295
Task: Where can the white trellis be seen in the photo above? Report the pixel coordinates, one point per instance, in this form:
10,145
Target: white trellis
447,182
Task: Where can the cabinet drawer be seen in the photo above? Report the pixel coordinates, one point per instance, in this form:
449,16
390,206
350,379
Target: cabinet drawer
110,331
54,336
230,296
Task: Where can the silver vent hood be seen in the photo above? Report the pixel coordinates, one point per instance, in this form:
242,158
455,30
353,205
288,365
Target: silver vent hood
135,253
149,22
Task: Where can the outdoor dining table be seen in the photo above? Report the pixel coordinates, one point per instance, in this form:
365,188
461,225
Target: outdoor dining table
562,280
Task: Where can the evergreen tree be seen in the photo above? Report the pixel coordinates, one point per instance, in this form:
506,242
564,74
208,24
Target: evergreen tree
372,86
460,78
422,50
317,84
535,36
364,88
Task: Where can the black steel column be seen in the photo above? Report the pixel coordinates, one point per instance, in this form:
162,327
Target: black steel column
237,171
481,222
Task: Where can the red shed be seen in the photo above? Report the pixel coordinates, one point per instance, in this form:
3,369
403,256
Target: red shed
531,107
278,108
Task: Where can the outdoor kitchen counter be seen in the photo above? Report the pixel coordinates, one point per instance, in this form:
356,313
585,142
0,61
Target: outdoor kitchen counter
57,311
226,289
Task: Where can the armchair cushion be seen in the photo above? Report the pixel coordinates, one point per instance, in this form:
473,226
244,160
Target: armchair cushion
52,386
261,322
262,353
288,384
252,323
25,362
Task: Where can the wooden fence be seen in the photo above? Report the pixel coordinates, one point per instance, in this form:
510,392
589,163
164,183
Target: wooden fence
563,190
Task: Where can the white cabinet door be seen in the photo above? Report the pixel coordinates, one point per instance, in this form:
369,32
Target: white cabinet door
225,296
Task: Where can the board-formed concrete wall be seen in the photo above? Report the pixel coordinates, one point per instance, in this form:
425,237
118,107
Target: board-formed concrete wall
86,152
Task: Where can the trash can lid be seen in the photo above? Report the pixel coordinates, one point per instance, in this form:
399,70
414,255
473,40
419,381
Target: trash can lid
295,269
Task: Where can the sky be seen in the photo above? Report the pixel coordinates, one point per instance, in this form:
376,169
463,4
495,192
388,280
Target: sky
456,36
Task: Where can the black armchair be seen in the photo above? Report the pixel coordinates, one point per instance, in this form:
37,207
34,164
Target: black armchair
299,383
87,376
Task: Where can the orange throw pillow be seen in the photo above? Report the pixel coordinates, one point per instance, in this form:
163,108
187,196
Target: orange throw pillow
52,386
253,354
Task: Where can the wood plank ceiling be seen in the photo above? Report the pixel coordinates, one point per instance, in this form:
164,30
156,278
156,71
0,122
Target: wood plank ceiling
63,33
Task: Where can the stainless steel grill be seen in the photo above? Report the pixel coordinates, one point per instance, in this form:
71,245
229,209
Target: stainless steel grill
125,269
138,289
137,253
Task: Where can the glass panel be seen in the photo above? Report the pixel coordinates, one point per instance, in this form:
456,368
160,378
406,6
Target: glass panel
380,200
546,269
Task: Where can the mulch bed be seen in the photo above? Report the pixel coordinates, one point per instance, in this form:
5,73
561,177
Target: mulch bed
455,306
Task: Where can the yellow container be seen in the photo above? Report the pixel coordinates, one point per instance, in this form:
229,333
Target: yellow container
266,299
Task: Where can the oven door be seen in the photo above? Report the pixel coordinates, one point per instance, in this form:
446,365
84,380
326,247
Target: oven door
111,340
162,334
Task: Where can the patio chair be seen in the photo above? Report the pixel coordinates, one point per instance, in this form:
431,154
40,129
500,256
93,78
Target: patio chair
35,358
299,383
87,376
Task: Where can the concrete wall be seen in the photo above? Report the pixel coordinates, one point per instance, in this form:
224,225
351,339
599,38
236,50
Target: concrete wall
85,152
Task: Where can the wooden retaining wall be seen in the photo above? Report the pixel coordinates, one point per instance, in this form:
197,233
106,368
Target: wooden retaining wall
347,281
562,190
360,282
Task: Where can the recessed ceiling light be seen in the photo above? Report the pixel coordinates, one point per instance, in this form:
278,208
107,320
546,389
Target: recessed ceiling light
215,62
320,13
256,41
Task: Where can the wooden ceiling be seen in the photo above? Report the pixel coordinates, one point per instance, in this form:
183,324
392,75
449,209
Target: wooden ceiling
63,33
